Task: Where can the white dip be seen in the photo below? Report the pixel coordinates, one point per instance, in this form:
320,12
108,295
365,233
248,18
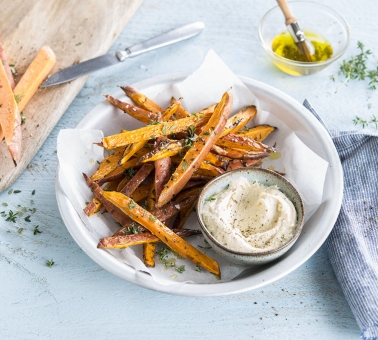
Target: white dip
250,217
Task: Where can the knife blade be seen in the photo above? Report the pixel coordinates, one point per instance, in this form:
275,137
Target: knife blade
173,36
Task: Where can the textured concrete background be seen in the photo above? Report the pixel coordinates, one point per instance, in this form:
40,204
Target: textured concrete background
77,299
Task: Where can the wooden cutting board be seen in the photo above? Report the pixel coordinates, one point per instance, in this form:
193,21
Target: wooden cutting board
76,31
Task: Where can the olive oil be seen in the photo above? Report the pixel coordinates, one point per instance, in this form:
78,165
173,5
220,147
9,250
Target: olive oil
284,45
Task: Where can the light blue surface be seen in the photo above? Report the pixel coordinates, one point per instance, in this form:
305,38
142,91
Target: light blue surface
76,299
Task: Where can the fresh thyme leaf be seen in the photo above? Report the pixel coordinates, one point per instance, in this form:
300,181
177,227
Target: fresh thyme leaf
36,230
198,268
50,263
207,133
20,230
130,172
211,198
374,121
153,122
33,210
18,97
191,131
5,204
164,129
33,192
152,218
163,254
356,68
180,269
133,229
132,205
16,191
27,218
10,191
12,216
188,142
358,120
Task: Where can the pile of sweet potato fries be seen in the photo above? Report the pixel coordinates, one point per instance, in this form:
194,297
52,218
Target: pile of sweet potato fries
155,173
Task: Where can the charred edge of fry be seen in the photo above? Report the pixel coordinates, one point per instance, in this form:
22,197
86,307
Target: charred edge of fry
124,241
92,207
141,100
113,210
142,115
138,178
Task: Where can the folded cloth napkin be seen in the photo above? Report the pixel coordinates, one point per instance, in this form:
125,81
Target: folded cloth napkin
353,243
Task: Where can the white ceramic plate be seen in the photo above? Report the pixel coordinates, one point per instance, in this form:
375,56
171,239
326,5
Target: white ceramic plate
315,231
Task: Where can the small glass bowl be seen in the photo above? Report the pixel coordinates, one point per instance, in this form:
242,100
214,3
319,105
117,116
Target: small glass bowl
313,17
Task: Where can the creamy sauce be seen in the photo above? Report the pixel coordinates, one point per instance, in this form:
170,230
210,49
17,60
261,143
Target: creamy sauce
250,217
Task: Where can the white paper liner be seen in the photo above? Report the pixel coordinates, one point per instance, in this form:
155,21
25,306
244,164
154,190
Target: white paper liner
78,154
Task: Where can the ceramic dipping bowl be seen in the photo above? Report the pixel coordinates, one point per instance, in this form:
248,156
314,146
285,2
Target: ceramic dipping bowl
262,176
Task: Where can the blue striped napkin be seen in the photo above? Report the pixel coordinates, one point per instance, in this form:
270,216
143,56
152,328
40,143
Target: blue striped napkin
353,243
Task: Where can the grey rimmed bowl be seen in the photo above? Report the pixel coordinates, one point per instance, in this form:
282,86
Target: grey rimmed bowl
262,176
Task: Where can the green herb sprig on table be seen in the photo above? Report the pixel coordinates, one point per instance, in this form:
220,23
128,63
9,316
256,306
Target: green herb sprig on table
356,68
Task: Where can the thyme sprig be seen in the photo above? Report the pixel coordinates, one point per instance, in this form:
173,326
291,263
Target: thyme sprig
364,123
356,68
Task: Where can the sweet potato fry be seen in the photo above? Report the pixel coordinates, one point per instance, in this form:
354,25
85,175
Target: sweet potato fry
153,131
141,100
258,133
142,115
162,174
170,111
164,213
95,205
239,120
141,192
111,208
10,119
138,178
244,143
92,207
217,160
166,235
34,75
130,151
7,70
180,112
197,153
163,150
237,163
124,241
118,172
210,169
107,165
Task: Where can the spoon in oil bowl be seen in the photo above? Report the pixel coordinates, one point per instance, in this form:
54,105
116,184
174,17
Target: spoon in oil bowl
306,49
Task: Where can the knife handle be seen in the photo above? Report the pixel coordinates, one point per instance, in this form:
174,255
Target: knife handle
161,40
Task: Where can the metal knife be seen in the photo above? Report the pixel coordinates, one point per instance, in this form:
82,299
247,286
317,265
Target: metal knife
95,64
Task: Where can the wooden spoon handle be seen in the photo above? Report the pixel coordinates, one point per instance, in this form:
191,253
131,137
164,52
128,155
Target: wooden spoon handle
290,18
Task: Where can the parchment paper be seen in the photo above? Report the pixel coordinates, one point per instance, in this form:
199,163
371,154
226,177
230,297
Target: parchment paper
78,154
